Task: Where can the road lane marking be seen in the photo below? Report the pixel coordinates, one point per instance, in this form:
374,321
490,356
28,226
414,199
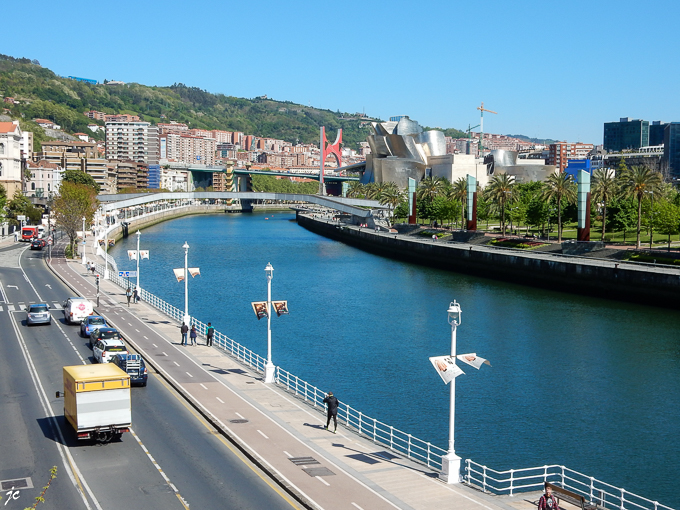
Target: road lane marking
356,506
188,373
204,386
323,481
176,363
285,452
237,453
160,470
262,434
137,330
240,416
220,400
164,354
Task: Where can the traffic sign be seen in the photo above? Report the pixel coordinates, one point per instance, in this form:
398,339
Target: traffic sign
49,241
127,274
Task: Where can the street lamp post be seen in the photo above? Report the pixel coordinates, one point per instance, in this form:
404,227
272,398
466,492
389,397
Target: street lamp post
187,318
269,369
139,289
106,251
84,241
451,461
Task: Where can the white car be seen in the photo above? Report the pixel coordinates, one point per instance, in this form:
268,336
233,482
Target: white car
105,349
76,309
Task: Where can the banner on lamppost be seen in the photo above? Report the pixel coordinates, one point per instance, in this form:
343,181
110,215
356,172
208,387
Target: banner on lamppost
132,254
179,273
143,254
281,308
473,360
260,309
446,368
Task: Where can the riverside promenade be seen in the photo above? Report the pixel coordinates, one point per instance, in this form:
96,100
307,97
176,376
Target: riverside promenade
276,430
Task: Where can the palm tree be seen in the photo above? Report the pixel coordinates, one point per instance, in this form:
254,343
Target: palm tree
430,188
635,182
560,186
604,189
355,190
458,192
391,196
500,191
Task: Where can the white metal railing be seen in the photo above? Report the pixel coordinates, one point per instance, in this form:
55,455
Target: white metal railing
595,491
489,480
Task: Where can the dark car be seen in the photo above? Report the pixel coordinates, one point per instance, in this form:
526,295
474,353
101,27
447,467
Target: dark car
90,323
104,334
37,244
38,313
134,366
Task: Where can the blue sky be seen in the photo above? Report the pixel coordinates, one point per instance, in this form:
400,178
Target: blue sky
550,69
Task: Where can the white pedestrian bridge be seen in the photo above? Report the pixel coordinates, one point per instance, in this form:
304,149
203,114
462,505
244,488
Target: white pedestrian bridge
356,206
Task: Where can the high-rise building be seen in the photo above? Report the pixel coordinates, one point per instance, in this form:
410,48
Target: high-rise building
671,148
132,141
626,134
656,132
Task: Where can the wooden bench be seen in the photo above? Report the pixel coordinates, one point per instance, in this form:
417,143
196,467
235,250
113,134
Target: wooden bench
570,497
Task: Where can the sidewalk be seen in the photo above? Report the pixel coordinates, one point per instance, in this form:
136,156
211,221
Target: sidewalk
279,432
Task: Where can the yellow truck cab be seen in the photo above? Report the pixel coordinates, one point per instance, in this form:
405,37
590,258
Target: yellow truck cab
97,401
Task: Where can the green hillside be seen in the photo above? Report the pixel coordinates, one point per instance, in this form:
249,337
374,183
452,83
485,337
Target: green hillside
43,94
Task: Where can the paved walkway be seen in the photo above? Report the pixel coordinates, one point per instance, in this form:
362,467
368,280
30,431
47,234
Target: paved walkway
279,432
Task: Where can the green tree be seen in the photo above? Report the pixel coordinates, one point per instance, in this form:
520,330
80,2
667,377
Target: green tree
74,202
458,193
538,212
391,196
605,188
355,190
622,214
21,205
667,219
79,177
500,191
634,183
560,187
430,188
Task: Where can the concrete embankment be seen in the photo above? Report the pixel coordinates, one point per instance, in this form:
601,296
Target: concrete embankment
641,283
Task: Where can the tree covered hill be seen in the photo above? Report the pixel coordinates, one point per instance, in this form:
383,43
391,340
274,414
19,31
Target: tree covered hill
43,94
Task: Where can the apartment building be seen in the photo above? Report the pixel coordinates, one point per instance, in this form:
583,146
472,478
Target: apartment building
559,153
10,157
78,149
45,178
121,118
95,115
187,148
132,141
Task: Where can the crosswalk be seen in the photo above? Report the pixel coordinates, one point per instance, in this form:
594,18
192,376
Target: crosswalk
21,306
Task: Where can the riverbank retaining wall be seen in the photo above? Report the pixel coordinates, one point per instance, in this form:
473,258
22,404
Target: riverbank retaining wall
630,282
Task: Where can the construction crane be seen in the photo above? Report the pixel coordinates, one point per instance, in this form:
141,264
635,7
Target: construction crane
469,133
481,126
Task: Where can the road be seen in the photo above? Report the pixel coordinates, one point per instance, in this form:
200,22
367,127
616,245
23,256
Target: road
172,459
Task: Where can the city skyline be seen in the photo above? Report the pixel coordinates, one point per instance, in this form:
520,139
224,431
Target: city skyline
555,72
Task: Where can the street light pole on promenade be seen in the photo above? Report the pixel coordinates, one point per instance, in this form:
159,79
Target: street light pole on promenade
187,319
269,369
84,241
451,461
106,251
139,289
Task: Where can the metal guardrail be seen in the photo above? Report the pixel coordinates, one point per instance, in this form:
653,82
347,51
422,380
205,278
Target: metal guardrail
489,480
595,491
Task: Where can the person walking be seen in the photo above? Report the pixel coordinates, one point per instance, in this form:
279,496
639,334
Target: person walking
128,294
547,501
209,333
184,329
332,404
135,296
192,335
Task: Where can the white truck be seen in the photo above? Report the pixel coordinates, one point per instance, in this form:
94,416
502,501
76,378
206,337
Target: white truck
97,401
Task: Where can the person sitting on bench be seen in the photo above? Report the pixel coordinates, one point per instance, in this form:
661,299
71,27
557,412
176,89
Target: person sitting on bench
548,501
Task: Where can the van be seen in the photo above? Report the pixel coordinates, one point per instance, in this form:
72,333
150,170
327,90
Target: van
76,309
41,232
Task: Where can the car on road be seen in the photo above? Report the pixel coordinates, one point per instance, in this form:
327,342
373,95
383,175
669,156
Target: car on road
90,323
134,366
104,350
103,333
37,244
76,310
38,313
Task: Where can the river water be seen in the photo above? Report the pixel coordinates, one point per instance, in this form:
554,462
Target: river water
587,383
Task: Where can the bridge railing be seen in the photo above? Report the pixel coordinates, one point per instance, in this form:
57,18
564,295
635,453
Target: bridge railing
595,491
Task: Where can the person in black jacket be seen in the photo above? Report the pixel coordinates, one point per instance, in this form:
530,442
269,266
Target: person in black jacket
332,404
